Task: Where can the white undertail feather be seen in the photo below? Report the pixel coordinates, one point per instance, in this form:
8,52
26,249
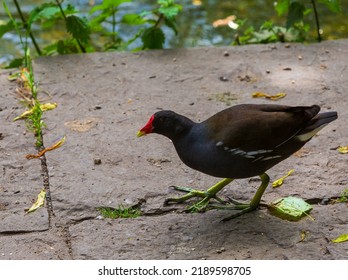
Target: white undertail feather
305,137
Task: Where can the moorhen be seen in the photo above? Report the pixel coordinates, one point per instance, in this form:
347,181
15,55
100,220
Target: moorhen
239,142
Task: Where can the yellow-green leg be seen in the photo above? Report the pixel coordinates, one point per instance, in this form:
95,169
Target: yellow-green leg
206,195
246,207
211,193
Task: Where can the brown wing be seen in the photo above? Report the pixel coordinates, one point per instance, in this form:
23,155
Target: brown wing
254,127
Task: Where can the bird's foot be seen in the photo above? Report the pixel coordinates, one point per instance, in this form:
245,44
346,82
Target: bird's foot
201,205
242,208
205,204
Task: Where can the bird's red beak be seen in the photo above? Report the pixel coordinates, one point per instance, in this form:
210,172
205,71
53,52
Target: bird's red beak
147,128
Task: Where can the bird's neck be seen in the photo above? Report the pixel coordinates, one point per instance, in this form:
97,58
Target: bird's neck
180,129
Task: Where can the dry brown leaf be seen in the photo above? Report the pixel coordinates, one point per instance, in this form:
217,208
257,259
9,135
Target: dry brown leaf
54,146
224,22
302,152
196,2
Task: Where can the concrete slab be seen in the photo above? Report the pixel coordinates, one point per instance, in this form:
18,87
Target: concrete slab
103,98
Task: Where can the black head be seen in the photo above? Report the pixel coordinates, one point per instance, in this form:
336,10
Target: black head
167,123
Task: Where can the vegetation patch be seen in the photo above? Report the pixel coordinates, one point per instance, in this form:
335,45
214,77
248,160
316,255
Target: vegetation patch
119,212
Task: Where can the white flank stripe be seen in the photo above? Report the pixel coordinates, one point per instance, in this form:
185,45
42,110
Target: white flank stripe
273,157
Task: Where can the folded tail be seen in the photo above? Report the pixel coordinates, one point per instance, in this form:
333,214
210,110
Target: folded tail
315,124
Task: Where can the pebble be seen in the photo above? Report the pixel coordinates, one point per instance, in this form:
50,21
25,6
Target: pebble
219,251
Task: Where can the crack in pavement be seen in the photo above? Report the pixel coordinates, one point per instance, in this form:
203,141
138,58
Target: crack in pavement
46,185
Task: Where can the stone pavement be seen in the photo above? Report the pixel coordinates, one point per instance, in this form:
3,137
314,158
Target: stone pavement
104,98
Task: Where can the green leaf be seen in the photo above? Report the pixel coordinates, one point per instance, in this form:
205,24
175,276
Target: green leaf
44,11
341,238
172,25
282,6
78,28
333,5
295,14
169,9
4,28
290,208
153,38
133,19
16,63
268,25
170,12
107,4
67,46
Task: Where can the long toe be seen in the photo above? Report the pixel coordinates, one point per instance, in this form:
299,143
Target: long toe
247,209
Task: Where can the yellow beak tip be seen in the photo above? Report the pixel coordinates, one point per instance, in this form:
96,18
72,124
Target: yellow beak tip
140,133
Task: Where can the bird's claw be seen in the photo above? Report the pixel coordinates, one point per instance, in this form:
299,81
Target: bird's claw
190,193
200,206
242,208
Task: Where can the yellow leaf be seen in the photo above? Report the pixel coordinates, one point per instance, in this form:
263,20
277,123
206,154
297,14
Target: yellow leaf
197,2
44,107
48,106
343,149
303,235
265,95
24,115
280,181
341,238
39,202
58,144
13,76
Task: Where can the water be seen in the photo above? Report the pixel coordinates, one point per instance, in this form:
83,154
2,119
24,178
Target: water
194,22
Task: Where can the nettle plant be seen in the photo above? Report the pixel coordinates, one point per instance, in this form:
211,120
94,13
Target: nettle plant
96,31
297,24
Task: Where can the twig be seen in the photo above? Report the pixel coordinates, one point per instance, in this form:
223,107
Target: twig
26,27
316,19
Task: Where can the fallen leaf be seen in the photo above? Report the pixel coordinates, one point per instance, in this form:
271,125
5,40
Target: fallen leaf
280,181
229,21
54,146
44,107
39,202
303,235
197,2
343,149
13,76
302,152
341,238
265,95
290,208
